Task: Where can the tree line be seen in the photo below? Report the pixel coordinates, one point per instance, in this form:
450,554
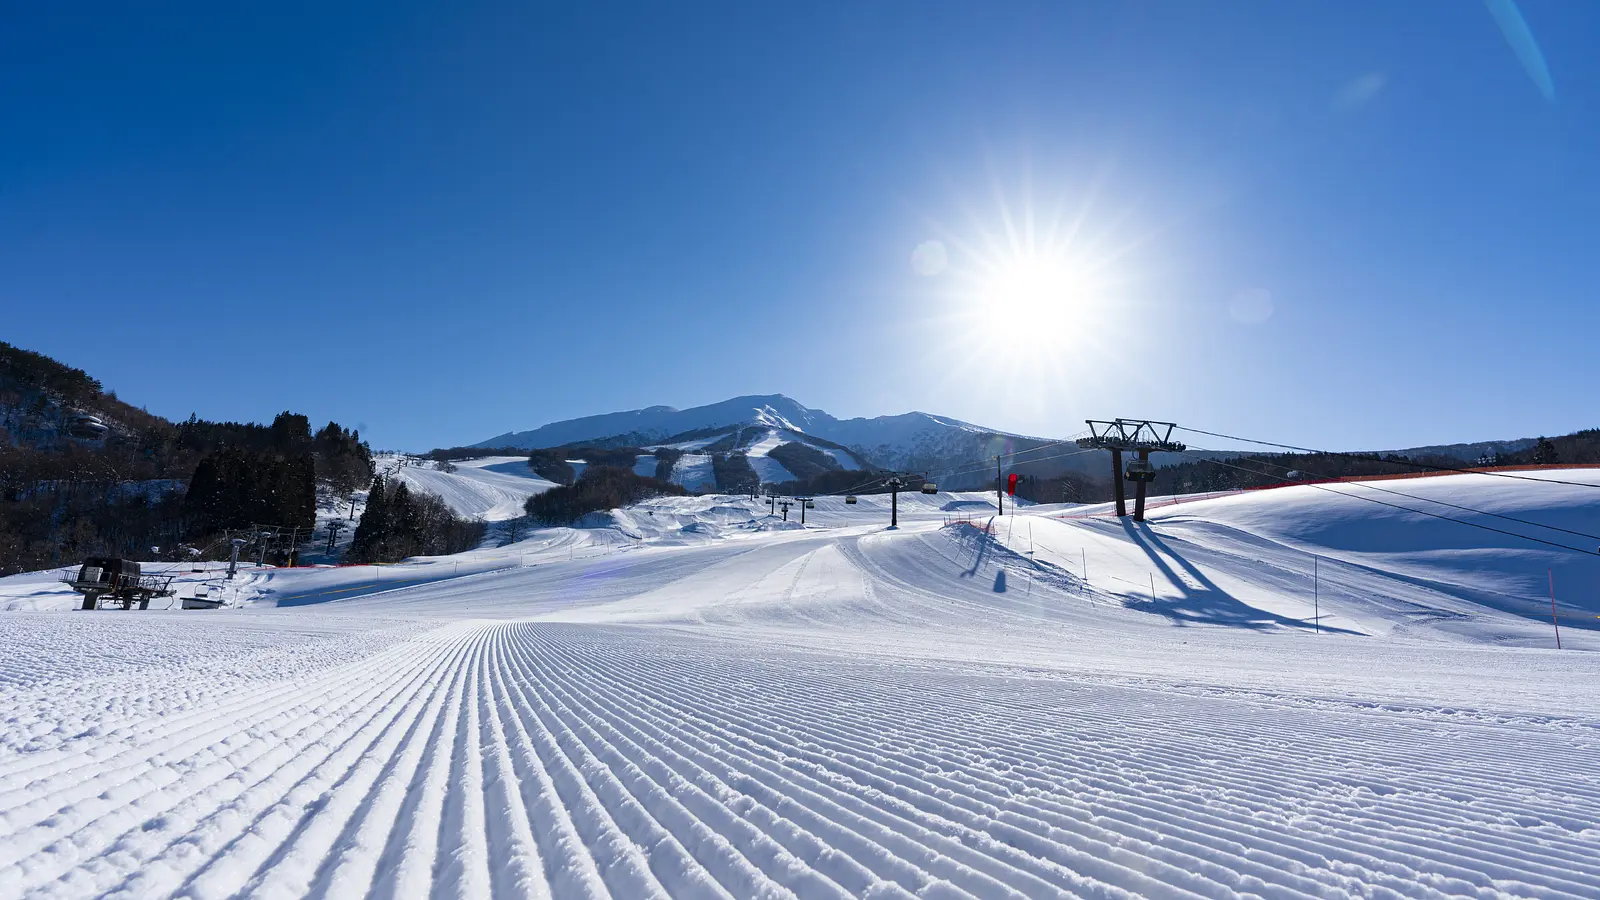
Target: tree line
399,522
802,460
599,488
733,473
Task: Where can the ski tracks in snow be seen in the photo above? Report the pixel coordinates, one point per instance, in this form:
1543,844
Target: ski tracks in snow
518,760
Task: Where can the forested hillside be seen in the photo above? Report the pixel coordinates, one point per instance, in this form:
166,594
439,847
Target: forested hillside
599,488
147,488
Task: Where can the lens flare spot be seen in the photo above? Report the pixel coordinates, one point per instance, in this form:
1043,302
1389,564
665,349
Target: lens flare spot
930,258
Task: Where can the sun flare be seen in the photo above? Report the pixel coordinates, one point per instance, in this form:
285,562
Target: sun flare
1036,294
1031,291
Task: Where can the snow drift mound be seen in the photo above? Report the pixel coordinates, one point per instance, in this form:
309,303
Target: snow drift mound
1542,531
1465,557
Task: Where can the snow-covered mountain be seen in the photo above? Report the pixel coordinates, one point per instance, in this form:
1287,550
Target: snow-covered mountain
656,423
912,442
909,441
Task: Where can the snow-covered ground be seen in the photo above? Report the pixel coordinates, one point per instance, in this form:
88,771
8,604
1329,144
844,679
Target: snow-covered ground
694,471
493,488
769,470
693,698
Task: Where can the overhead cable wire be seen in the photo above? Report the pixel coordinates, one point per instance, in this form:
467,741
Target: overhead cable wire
985,468
1479,512
864,484
1398,462
936,476
1420,512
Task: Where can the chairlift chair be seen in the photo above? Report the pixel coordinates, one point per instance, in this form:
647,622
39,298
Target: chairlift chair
1140,470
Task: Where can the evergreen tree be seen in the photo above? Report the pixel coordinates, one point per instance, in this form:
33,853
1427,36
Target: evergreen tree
405,528
1544,453
373,526
297,500
291,432
341,459
201,501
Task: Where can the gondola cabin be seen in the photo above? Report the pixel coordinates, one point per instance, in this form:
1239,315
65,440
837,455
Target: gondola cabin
811,504
850,500
930,488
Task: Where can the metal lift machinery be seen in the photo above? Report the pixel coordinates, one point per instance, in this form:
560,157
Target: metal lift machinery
1141,437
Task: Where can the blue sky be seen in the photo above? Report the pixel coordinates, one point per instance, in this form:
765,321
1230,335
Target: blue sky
1339,224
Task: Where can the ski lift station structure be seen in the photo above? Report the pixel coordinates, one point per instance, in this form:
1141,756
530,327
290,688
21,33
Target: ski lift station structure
1138,436
120,580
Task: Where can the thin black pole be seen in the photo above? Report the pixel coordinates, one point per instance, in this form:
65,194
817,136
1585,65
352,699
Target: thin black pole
1116,482
1553,620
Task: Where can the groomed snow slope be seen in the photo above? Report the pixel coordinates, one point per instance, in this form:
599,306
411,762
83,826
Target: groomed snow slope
697,700
767,469
493,488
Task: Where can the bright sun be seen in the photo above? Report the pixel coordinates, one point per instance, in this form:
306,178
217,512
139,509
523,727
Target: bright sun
1037,293
1032,293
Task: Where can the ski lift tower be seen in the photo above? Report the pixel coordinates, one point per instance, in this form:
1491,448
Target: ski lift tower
894,484
1140,436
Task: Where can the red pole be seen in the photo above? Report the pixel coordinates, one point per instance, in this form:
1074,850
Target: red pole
1553,620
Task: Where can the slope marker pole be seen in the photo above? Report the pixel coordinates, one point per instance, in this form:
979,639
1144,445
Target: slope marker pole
999,490
1553,620
1316,595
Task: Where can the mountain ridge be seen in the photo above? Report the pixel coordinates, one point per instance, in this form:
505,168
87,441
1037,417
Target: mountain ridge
891,441
912,441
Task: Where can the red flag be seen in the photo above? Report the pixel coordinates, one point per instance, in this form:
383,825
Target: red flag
1011,484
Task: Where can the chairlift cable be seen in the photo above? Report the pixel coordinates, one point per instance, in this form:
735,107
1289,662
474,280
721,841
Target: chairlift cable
1398,462
864,484
936,476
985,467
1420,512
1479,512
